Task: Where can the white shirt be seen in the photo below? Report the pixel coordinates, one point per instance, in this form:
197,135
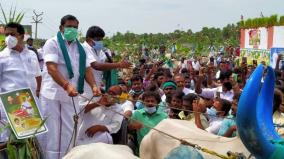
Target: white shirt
196,65
183,65
99,57
52,53
274,60
187,91
127,106
40,57
101,116
163,98
212,93
18,70
214,125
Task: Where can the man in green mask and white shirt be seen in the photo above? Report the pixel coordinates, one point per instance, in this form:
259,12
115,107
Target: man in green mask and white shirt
67,66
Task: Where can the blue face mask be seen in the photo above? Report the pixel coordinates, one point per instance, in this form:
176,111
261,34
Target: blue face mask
150,110
98,45
212,112
139,105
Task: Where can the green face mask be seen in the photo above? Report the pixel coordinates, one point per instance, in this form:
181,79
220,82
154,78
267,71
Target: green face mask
70,34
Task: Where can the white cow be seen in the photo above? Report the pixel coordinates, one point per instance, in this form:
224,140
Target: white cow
157,146
100,151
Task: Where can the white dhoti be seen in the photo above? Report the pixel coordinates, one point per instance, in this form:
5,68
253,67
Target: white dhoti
60,126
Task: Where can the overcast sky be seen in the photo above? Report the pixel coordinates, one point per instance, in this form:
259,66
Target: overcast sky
143,16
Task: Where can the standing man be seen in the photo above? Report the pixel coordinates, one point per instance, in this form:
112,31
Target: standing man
180,81
95,46
18,67
30,43
66,68
101,59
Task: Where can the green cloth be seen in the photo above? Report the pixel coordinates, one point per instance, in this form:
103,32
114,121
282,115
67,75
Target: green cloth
169,63
279,151
82,62
147,119
110,78
169,83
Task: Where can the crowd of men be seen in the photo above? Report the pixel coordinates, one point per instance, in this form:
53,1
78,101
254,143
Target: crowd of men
71,81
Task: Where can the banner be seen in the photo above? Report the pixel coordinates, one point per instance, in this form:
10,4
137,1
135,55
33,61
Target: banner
255,54
22,112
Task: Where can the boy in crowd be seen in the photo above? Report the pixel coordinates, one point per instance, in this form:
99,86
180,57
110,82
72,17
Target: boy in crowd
229,127
176,104
147,116
187,101
221,108
136,86
278,111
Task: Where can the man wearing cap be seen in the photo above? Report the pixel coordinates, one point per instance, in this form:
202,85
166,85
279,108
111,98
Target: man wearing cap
168,87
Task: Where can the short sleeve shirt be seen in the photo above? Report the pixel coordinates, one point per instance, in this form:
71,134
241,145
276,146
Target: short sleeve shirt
147,119
52,53
226,125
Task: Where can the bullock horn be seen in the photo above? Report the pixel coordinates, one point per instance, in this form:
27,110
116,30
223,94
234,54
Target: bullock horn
254,116
264,112
246,114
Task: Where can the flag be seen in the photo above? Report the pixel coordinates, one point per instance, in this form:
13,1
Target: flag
242,17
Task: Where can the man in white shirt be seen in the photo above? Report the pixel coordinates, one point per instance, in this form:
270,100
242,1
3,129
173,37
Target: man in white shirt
18,68
94,48
180,81
66,67
221,108
101,120
196,65
225,91
222,69
40,55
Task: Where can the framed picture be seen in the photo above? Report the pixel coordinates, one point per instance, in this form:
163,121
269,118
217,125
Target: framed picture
23,113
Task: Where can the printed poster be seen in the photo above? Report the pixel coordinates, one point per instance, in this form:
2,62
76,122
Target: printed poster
255,54
22,112
254,37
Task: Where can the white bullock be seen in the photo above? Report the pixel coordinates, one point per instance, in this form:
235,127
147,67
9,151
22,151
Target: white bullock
157,146
100,151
